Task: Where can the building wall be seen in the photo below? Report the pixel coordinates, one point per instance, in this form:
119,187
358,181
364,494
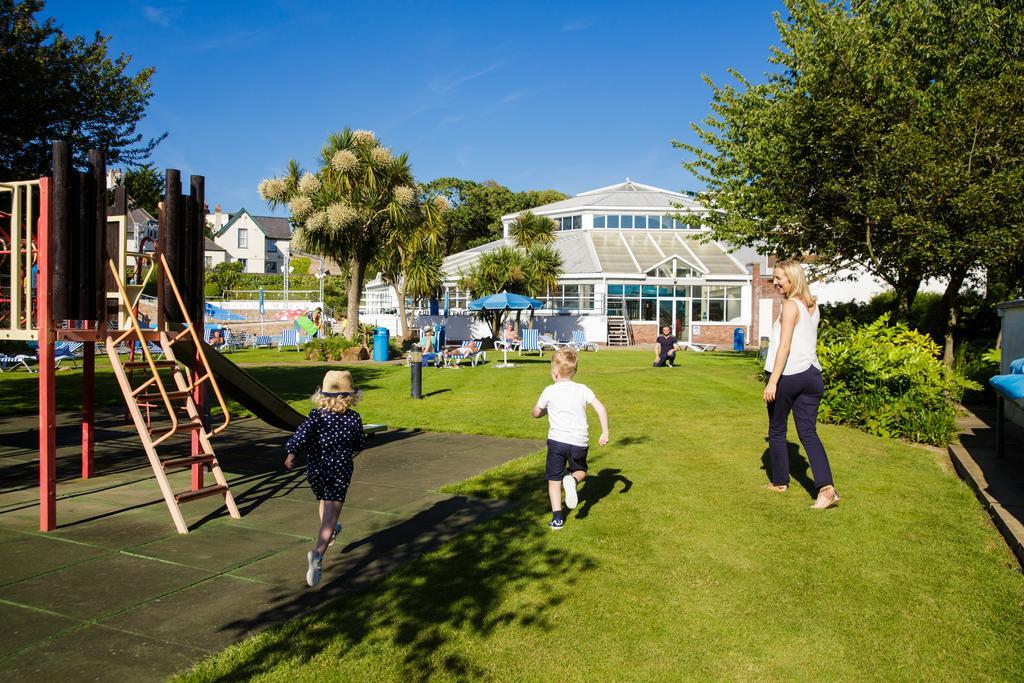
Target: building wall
214,258
254,253
1012,315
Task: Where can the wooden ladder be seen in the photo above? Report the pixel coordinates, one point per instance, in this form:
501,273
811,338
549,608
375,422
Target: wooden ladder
179,402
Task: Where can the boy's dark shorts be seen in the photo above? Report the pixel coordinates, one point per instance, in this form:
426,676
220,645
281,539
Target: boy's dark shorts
560,454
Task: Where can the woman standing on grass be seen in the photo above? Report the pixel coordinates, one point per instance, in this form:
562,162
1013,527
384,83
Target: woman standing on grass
794,383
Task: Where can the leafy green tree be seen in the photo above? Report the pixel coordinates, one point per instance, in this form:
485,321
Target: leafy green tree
477,208
56,86
146,187
359,196
531,266
889,135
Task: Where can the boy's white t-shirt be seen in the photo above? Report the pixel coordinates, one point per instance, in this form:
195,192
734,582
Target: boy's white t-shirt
566,403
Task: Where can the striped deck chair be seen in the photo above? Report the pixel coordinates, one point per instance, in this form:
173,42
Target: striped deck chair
531,342
289,337
66,352
261,341
580,343
11,363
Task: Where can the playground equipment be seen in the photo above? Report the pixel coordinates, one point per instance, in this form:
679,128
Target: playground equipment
64,276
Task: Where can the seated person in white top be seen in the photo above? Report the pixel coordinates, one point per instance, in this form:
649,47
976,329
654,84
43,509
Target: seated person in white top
509,335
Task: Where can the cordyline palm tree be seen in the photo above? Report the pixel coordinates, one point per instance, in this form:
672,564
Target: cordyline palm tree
358,196
411,255
531,267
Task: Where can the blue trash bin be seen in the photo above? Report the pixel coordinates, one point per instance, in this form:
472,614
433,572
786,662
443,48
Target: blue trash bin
380,344
737,339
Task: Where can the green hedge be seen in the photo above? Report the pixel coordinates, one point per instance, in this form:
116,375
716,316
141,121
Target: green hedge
889,381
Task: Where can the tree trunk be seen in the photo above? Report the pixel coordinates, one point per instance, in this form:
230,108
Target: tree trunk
951,305
356,272
404,324
905,294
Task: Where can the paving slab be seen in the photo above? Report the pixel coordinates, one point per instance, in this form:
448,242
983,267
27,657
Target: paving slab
115,593
102,586
99,653
24,626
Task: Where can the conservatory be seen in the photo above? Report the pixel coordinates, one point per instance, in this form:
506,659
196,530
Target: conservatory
635,259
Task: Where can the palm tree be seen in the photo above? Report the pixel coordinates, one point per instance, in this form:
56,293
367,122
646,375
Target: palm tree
411,255
531,267
360,194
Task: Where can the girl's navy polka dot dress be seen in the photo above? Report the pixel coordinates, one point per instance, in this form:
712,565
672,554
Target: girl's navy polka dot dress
329,441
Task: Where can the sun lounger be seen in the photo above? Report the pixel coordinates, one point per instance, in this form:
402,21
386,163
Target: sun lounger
696,346
580,343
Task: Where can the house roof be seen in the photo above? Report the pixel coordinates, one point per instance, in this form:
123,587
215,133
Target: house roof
620,253
210,245
624,195
140,215
273,227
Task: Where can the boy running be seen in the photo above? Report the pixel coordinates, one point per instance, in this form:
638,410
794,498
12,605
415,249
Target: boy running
565,403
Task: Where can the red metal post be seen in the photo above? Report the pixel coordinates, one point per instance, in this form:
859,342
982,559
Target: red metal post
47,394
88,405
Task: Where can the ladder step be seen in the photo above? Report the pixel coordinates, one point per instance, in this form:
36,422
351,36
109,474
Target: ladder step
158,363
201,459
184,427
173,395
187,496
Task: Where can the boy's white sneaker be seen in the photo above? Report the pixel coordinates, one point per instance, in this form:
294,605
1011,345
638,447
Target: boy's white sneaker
313,573
569,484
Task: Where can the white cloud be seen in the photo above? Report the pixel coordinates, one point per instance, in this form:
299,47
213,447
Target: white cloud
577,24
157,15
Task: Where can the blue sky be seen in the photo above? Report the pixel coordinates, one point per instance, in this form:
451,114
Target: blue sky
534,95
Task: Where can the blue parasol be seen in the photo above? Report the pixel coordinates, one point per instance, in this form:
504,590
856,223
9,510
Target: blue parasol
505,302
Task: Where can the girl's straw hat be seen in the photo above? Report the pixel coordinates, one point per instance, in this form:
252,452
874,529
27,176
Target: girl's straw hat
337,383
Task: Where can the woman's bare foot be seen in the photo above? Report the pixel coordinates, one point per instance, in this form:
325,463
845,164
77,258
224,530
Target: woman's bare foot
777,488
827,497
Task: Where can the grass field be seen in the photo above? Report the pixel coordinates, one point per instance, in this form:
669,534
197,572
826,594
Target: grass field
676,564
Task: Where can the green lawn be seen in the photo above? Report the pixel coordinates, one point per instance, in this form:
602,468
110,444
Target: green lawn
676,565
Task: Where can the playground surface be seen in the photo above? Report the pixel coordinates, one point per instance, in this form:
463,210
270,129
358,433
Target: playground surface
115,593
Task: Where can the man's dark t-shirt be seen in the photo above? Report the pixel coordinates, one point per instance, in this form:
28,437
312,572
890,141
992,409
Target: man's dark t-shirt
667,343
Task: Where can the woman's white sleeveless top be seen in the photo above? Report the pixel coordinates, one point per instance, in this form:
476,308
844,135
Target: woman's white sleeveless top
803,352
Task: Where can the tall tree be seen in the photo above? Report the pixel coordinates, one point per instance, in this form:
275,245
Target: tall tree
411,255
477,208
56,86
145,187
360,194
889,135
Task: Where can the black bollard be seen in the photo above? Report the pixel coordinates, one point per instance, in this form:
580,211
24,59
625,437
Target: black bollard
416,374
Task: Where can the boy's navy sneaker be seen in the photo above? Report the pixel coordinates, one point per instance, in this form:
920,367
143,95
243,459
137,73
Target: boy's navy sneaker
313,573
569,484
556,524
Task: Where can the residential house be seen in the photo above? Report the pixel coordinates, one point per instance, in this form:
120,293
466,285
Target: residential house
259,243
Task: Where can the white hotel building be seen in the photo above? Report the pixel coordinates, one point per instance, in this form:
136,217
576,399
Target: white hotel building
625,259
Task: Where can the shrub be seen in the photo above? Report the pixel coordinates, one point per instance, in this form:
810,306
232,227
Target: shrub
330,348
888,381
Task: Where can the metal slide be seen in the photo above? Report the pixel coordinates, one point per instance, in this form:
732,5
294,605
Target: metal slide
244,388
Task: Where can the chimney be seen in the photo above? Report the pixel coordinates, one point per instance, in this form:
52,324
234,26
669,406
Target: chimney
216,217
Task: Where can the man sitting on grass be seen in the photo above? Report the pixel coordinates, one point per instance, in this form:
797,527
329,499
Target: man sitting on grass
665,348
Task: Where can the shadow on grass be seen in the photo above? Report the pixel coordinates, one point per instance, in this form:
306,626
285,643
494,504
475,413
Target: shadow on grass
798,468
598,486
499,573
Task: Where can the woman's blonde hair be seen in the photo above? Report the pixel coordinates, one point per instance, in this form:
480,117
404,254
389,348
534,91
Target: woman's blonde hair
335,404
795,274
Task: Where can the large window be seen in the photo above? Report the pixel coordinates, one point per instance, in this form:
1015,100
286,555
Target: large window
569,222
639,221
717,303
570,297
243,238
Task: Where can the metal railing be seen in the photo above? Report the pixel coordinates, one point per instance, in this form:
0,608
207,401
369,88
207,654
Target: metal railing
272,295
